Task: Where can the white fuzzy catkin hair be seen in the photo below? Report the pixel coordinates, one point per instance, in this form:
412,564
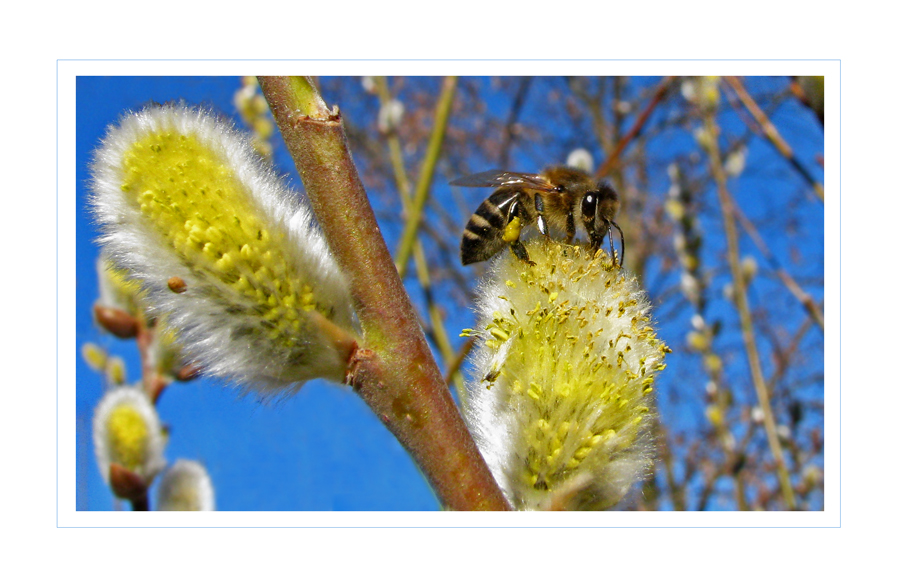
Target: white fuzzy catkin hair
179,193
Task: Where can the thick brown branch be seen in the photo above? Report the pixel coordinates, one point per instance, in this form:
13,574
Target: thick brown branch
393,371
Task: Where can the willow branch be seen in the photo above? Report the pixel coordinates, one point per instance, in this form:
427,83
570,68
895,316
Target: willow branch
676,491
594,105
396,153
743,306
439,332
771,133
809,304
423,185
613,159
513,116
393,371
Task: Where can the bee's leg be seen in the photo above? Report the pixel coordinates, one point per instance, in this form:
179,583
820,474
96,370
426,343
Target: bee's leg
515,219
612,250
539,208
570,227
596,237
621,241
519,249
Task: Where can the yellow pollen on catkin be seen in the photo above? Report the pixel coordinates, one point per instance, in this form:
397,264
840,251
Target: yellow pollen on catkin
128,435
570,352
193,199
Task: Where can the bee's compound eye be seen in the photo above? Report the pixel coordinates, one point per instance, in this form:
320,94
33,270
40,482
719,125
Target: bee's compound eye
589,205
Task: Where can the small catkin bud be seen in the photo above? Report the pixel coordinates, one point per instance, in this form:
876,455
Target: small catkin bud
94,356
165,353
116,373
389,116
254,112
186,487
581,159
116,289
561,403
128,433
222,249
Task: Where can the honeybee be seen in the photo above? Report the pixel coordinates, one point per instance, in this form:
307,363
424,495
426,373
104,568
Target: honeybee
553,199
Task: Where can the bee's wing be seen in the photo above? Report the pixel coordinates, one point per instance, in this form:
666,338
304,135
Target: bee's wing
500,178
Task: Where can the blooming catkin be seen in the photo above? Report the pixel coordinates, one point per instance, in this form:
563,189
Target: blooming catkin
561,400
221,248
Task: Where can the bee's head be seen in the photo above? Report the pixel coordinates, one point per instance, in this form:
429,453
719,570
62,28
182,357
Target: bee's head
598,210
602,201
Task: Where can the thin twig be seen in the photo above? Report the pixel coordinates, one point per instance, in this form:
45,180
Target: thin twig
665,455
593,104
743,306
613,159
771,133
809,304
514,111
394,148
438,330
455,365
423,185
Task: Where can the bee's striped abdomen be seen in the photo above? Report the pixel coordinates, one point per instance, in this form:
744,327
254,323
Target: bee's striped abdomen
483,236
